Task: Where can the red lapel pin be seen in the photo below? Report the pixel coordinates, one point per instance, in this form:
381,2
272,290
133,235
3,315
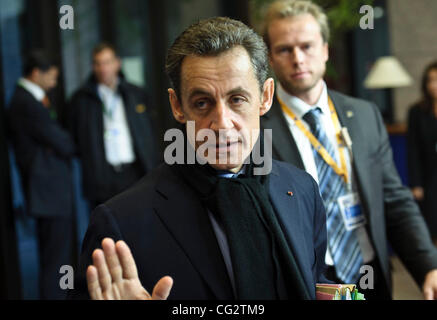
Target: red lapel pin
290,193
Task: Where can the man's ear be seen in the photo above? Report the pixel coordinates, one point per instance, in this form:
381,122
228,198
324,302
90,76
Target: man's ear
267,96
176,106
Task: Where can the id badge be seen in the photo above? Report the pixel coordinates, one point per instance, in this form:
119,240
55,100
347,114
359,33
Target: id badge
111,133
351,212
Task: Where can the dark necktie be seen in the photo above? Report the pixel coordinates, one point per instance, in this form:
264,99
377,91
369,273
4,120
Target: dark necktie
45,101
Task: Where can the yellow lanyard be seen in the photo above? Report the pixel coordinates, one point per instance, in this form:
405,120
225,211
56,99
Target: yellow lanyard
341,171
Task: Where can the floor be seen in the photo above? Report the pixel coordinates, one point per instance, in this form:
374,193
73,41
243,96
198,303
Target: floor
404,287
28,246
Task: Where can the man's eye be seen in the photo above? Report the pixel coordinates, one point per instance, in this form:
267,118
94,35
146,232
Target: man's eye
201,104
307,47
237,100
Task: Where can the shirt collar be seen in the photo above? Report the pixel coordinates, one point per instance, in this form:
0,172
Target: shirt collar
229,174
300,107
35,90
105,90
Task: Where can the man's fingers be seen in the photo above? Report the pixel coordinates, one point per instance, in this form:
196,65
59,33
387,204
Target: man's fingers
112,260
428,293
127,260
430,285
162,288
93,283
115,262
99,262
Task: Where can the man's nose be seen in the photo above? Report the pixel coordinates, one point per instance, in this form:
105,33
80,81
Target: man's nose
297,56
222,117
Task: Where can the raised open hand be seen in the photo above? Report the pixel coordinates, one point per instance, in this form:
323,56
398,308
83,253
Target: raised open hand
113,275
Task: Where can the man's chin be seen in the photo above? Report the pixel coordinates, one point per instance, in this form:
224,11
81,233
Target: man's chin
226,167
299,87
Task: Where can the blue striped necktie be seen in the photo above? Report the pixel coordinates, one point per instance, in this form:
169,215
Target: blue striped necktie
343,244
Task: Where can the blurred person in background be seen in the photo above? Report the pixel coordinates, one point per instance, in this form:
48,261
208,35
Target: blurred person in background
422,149
43,152
111,124
342,142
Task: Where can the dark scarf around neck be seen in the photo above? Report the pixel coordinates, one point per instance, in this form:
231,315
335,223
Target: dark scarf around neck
264,265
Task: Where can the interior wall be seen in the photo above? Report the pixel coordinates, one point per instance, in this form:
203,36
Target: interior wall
413,26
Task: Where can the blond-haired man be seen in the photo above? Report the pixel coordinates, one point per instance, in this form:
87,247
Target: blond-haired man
342,142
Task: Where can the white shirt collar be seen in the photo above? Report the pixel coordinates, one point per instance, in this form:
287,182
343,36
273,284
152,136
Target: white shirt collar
35,90
105,90
300,107
229,174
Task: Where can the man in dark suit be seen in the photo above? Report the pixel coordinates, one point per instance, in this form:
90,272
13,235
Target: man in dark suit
221,229
343,143
110,121
43,152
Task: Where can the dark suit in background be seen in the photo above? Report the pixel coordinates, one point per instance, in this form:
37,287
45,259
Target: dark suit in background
167,228
43,152
389,207
100,179
422,160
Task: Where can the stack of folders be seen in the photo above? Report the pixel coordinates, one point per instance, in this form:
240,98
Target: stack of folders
326,291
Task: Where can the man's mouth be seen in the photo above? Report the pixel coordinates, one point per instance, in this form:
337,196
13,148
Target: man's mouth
226,146
299,74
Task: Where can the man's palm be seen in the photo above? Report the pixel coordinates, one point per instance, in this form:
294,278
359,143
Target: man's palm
114,276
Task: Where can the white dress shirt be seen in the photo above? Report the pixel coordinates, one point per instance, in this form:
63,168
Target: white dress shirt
35,90
117,138
299,107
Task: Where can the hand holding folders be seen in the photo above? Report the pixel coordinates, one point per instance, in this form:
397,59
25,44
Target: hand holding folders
327,291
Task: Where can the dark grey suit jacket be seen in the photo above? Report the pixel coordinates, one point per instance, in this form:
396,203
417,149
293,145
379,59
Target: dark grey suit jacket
169,233
43,150
391,211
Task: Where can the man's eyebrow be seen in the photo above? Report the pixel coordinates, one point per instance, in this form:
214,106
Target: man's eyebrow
198,92
299,43
239,90
201,92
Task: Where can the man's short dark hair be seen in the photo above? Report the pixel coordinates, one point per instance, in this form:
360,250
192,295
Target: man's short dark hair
37,59
211,37
103,46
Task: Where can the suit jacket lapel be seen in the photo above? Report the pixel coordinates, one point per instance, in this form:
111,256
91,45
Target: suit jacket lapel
347,119
188,222
289,214
346,116
284,145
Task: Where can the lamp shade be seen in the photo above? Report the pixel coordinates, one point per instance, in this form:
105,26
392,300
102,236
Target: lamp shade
387,72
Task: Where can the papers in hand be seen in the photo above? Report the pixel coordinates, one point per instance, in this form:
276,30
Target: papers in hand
328,291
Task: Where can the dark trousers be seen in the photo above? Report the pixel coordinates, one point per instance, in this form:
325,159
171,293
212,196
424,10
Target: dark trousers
57,247
379,291
118,180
